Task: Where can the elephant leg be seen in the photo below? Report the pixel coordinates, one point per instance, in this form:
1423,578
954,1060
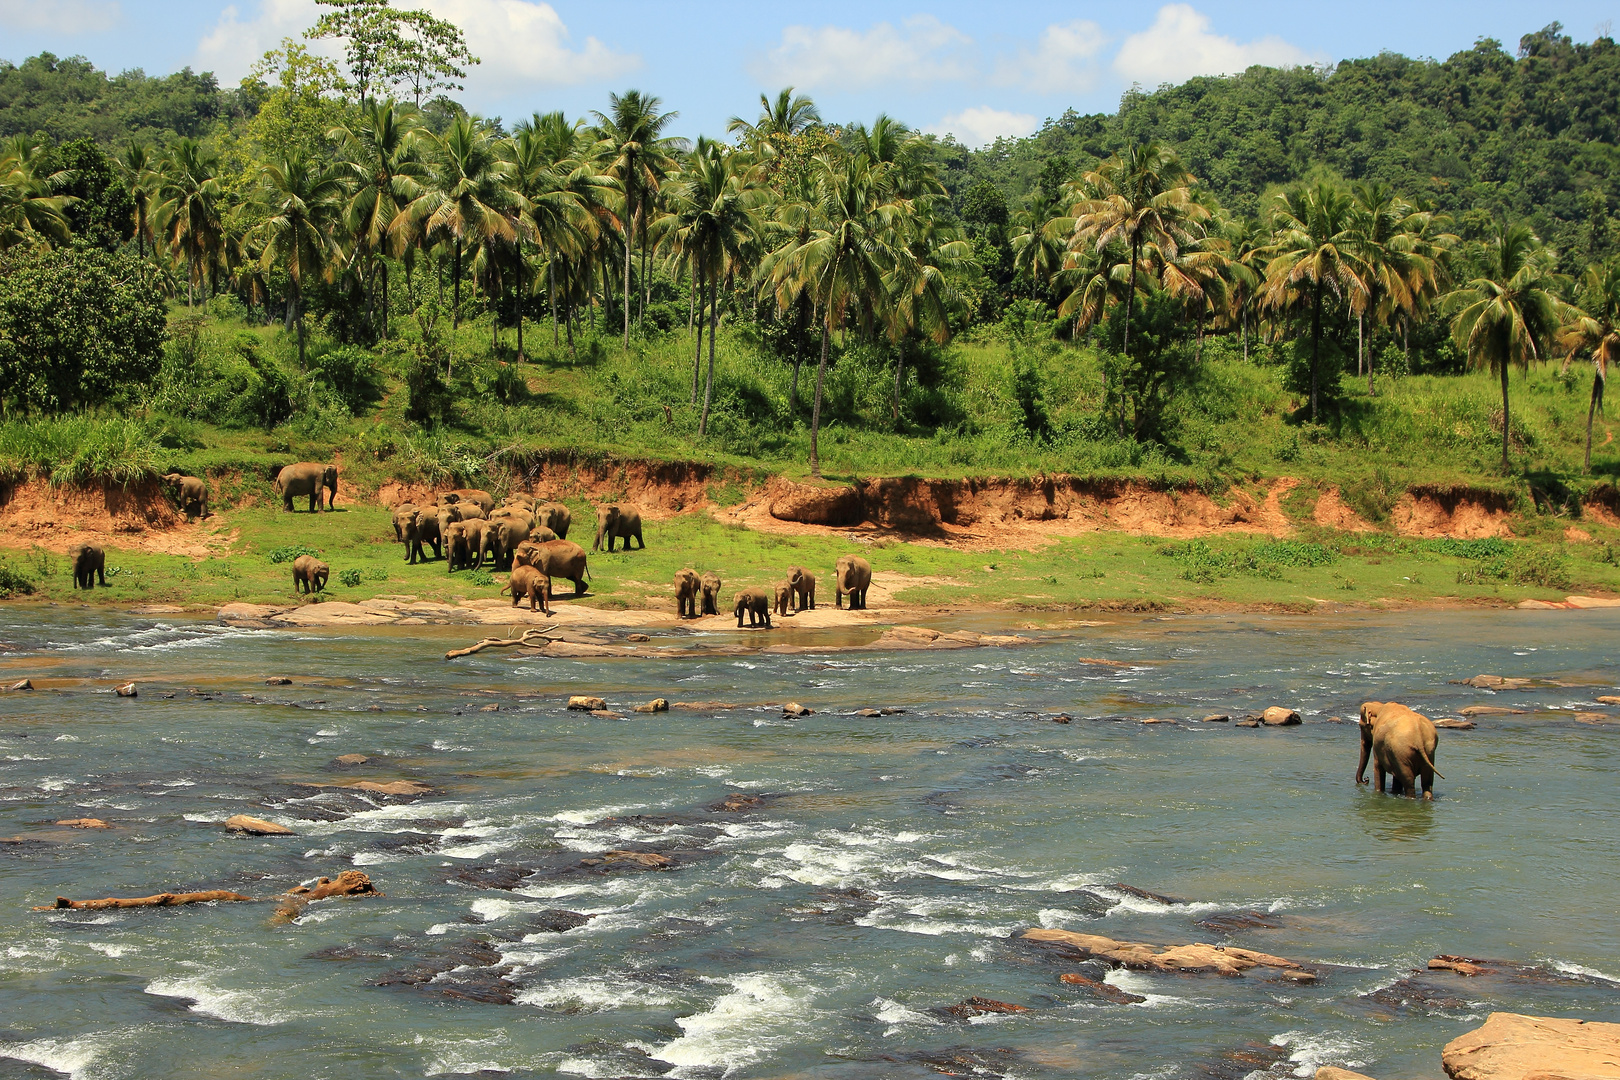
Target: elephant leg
1378,776
579,586
640,543
101,572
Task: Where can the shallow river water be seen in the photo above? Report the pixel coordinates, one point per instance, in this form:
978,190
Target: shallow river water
816,933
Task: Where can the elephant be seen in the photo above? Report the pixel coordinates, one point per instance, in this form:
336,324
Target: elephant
618,521
528,582
481,499
517,513
852,575
687,588
560,559
423,528
190,492
466,544
1399,742
784,600
556,517
803,585
757,604
307,478
310,574
402,516
450,513
89,563
506,532
520,500
711,593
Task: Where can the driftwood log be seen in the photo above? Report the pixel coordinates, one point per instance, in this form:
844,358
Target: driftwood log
534,638
348,883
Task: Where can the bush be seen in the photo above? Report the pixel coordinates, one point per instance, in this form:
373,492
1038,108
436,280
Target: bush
80,450
350,372
289,553
14,582
351,578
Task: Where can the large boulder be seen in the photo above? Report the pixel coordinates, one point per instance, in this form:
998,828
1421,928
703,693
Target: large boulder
253,826
1514,1047
1277,716
817,504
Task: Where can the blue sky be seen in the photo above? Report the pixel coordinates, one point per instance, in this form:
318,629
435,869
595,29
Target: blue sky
975,69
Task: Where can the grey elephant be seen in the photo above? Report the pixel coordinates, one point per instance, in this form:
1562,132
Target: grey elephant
307,478
618,521
310,574
1400,742
507,531
558,559
401,518
190,492
528,582
687,587
466,544
756,604
556,517
89,563
711,593
784,600
802,583
852,575
423,528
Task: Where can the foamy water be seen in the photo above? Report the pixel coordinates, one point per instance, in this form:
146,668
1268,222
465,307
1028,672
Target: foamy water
826,933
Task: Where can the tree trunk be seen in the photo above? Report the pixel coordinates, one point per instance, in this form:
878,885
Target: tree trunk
646,282
714,332
1361,347
298,318
551,292
1130,300
899,378
1506,465
385,300
815,411
691,302
455,310
191,275
1198,349
1243,335
1591,411
1316,339
629,240
520,305
697,357
1370,359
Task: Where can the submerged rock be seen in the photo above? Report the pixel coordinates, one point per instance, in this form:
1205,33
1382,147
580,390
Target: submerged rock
1494,682
646,860
1510,1046
350,760
256,826
1195,958
1235,921
1101,989
793,708
605,714
977,1006
1331,1072
1489,710
85,823
278,680
1143,894
1247,723
656,705
1455,725
1216,718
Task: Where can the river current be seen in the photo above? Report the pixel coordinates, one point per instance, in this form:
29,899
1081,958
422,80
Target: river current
837,882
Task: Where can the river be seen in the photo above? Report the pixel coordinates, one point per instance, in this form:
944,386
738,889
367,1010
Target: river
821,930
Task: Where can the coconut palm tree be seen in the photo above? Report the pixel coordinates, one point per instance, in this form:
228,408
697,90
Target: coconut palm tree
636,153
387,174
304,203
1143,194
465,200
780,119
846,255
30,212
1315,253
187,213
137,163
1040,239
1509,314
1596,332
1399,250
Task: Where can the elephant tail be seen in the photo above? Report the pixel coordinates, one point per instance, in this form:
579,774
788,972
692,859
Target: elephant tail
1430,763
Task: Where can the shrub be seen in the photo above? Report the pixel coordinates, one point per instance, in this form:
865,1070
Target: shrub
482,577
14,582
351,578
289,553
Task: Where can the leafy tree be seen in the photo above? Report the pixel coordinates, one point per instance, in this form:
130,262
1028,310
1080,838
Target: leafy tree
68,99
371,40
1510,313
1596,332
304,201
635,152
102,209
780,120
431,55
299,109
31,214
77,328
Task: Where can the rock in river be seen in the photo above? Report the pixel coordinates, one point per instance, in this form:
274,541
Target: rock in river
585,703
127,690
1277,716
256,826
1514,1047
1137,956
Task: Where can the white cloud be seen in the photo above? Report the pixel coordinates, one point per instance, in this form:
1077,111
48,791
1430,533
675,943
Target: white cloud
922,49
521,43
1179,45
982,125
60,17
1062,62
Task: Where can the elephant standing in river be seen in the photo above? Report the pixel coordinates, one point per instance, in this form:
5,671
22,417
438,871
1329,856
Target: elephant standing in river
1400,742
307,478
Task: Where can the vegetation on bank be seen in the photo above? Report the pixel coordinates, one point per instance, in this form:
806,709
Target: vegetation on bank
1108,571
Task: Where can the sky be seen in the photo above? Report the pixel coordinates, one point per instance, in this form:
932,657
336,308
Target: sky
973,69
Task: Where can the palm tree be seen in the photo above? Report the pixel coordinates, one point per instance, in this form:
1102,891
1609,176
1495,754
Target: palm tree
1140,195
30,212
1596,332
921,295
846,255
1039,240
465,199
1314,252
137,164
304,202
1511,313
1400,257
387,175
637,154
187,214
788,115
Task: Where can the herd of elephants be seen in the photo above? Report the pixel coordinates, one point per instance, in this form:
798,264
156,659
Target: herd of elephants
529,539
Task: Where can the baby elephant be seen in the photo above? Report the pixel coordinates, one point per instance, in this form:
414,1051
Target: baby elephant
687,587
784,600
190,492
89,563
526,581
711,593
758,606
310,574
1400,742
803,584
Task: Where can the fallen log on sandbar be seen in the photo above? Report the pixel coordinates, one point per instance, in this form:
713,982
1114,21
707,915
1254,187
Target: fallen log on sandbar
167,899
534,639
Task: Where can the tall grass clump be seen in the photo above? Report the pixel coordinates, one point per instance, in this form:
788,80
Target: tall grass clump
81,450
